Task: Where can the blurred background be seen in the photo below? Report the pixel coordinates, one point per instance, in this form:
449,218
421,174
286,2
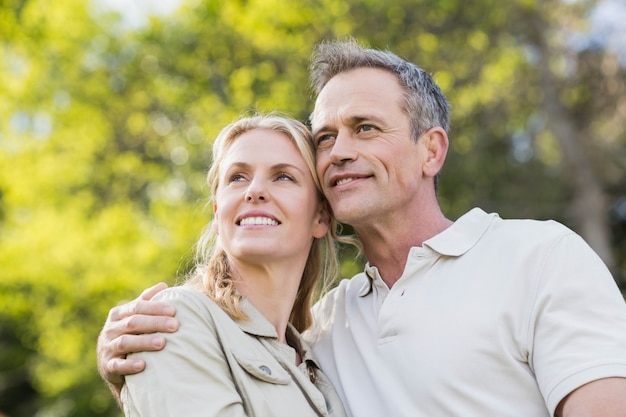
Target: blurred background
108,110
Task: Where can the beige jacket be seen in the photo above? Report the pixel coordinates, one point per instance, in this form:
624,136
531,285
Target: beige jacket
214,366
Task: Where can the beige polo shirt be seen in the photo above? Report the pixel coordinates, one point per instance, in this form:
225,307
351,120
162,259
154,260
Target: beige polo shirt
214,366
490,318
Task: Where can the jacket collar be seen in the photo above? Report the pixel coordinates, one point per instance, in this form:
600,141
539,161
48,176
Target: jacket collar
256,324
259,326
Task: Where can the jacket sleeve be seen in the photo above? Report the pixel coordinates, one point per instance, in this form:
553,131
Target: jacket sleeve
190,376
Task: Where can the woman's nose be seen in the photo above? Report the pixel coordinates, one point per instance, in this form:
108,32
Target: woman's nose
255,192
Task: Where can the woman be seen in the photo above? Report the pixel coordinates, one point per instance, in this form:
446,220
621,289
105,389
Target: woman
238,350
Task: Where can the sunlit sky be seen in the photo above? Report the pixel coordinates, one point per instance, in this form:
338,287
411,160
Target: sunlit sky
608,26
136,12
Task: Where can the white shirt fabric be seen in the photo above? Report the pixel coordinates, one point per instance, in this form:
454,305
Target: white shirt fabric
491,317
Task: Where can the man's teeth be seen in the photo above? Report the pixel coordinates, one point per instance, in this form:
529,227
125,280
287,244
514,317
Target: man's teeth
258,221
344,180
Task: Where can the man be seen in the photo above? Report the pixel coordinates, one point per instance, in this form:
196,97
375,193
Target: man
480,317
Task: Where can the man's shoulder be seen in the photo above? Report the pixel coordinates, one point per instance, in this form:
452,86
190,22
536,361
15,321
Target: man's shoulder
346,288
524,229
350,285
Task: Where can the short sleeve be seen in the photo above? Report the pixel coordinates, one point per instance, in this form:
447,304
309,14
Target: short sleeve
578,325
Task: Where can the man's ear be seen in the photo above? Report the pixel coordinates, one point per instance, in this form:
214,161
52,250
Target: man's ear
435,141
322,221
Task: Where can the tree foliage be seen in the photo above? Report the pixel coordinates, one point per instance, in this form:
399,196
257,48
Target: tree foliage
105,135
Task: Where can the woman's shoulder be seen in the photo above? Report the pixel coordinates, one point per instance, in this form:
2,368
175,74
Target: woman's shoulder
182,293
190,301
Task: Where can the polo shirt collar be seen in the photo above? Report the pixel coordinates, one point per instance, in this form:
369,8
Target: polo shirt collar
454,241
463,234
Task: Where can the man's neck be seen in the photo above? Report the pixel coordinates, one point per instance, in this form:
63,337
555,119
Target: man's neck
387,247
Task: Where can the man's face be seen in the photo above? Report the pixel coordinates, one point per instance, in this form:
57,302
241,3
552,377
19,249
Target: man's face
367,161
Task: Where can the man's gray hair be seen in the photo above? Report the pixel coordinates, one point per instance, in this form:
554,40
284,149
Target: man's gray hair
423,101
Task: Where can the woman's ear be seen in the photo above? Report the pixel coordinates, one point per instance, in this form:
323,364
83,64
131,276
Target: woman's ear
322,221
214,228
436,145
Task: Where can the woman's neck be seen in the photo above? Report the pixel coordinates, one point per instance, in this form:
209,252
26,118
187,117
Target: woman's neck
271,288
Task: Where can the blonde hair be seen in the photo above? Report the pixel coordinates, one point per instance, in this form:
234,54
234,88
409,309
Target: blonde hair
212,274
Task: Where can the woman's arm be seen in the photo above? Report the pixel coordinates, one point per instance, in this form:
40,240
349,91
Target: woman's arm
190,376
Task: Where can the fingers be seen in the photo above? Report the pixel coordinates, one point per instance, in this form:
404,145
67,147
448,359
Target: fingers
117,340
113,368
140,324
142,305
130,328
148,293
118,332
122,367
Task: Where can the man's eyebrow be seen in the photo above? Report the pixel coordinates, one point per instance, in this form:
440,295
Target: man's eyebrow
352,121
316,132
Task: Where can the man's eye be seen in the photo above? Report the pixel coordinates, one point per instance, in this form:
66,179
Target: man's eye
366,128
323,140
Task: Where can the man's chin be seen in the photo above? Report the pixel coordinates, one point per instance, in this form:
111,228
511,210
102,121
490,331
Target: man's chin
346,213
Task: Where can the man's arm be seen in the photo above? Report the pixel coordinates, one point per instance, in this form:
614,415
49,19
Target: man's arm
602,398
128,329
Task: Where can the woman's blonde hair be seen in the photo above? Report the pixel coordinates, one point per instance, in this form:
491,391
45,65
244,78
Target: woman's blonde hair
212,274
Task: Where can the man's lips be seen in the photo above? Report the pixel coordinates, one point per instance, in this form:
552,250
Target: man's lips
339,180
344,180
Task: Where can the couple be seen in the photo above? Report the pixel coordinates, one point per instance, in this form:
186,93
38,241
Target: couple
478,317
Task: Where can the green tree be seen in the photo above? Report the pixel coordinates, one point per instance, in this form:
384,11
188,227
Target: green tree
105,135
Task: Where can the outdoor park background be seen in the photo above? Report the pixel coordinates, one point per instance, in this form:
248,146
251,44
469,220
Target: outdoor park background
108,110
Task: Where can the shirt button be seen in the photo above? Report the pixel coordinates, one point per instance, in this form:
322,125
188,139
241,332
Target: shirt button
265,369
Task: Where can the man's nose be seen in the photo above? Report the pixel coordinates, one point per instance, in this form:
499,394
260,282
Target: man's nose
344,149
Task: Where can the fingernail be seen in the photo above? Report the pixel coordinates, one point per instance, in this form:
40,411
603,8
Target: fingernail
158,342
137,366
171,324
168,310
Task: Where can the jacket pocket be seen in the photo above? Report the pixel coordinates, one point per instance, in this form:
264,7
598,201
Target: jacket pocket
264,370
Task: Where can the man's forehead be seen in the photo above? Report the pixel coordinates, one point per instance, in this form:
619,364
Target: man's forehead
323,118
328,117
329,108
356,94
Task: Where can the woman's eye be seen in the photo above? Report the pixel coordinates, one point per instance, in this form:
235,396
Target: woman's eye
284,177
236,177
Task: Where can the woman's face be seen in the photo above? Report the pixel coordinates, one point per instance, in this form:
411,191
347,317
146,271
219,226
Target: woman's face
266,205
